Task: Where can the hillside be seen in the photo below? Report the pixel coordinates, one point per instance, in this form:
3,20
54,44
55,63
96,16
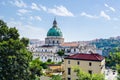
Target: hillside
107,45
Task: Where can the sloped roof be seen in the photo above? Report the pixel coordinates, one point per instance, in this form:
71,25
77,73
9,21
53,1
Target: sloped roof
83,56
70,44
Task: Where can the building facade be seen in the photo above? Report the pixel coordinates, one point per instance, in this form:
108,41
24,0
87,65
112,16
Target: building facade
54,42
90,63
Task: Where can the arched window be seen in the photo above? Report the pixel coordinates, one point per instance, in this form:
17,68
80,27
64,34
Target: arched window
74,50
45,50
53,42
57,42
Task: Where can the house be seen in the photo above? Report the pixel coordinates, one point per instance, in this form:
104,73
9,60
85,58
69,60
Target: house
90,63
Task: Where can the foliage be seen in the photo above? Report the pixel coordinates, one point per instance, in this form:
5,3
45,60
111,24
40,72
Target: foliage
86,76
14,57
44,65
49,60
113,59
25,41
56,77
36,68
59,62
98,77
107,45
118,70
7,33
60,53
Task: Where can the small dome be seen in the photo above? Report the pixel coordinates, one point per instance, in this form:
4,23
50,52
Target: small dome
54,31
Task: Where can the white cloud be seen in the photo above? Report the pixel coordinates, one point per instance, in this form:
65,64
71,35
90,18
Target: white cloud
60,11
35,6
111,8
88,15
106,5
23,11
43,8
104,15
28,30
19,3
35,18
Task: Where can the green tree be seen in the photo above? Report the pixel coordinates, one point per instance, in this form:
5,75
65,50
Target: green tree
36,68
14,57
86,76
98,77
49,60
56,77
113,60
118,70
25,41
60,53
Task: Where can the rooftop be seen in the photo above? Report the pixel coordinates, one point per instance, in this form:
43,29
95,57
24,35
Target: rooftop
84,56
70,44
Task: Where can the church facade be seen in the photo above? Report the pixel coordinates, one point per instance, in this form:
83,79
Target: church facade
54,42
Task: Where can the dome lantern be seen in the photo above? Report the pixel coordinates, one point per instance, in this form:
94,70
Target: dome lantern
54,23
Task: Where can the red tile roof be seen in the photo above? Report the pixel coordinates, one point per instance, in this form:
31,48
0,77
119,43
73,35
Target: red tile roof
88,57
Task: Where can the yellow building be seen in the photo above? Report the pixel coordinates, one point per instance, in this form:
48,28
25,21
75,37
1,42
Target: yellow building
91,63
55,67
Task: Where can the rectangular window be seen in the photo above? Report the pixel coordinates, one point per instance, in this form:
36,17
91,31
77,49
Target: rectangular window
68,62
69,78
69,71
90,64
78,62
90,71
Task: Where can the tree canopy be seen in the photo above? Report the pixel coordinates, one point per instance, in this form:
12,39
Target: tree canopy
36,68
14,56
113,59
107,45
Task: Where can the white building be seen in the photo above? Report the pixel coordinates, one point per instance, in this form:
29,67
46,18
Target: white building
54,42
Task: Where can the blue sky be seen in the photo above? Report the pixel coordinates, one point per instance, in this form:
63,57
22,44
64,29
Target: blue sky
78,19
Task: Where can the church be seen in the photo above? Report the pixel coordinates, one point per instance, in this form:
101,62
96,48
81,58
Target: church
54,42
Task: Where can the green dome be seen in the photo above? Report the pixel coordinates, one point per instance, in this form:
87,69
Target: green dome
54,31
